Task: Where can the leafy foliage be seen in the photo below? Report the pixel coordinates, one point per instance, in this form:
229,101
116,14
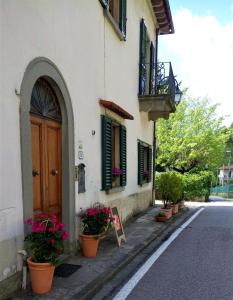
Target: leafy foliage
197,185
228,153
46,240
96,220
169,187
173,187
192,138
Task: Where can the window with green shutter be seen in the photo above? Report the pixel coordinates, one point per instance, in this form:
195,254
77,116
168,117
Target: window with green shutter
118,12
123,153
114,154
152,70
106,153
146,63
144,162
123,16
143,58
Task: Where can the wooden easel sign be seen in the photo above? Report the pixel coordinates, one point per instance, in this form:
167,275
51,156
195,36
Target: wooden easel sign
118,226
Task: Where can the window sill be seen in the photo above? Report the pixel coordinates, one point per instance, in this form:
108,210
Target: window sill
144,183
114,25
115,190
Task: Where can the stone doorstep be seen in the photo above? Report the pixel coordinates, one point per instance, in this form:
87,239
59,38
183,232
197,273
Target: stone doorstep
95,273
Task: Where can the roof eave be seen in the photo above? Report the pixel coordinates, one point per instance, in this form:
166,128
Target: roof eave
163,15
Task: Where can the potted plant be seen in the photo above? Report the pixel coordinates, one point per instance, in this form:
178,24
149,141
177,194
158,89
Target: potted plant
176,191
181,204
45,243
162,187
95,222
116,173
170,188
161,217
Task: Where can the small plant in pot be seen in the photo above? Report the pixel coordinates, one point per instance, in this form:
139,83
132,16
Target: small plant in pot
95,223
161,217
170,187
45,244
176,191
162,187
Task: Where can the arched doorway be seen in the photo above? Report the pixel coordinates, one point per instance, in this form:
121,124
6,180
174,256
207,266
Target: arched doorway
43,74
46,129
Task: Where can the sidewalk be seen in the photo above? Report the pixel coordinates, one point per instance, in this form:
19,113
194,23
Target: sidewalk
95,272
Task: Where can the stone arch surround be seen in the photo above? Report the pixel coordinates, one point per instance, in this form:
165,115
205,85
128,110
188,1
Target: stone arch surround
43,67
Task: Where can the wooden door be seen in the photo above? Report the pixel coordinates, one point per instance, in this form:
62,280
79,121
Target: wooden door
46,165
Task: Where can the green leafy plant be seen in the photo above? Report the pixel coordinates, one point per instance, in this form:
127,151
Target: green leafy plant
192,138
46,239
169,187
160,214
197,185
96,220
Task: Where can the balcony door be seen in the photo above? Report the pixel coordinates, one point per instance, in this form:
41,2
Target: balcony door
46,129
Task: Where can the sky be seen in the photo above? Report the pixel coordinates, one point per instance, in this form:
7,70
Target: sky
201,50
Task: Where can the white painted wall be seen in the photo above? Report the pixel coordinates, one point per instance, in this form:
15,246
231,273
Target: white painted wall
95,64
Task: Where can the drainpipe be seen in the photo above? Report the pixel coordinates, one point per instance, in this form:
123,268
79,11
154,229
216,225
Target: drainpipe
154,129
23,253
154,155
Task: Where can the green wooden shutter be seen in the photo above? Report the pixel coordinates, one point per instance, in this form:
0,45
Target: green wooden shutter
149,167
123,155
106,153
152,70
105,3
140,163
142,59
123,16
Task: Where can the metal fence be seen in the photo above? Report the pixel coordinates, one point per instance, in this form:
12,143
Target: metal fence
228,188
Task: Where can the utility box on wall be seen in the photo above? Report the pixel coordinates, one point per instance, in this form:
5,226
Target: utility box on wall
81,178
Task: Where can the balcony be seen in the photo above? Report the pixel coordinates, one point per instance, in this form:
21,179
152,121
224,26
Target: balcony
162,100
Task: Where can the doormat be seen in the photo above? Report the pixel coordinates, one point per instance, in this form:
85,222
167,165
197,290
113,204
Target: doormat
65,270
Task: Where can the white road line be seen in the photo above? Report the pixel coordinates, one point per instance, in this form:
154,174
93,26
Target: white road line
130,285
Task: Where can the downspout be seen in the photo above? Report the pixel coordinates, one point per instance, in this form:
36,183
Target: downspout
154,127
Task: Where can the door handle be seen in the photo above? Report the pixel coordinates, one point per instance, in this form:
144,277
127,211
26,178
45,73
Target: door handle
35,173
54,172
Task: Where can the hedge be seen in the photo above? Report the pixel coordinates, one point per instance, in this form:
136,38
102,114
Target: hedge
175,186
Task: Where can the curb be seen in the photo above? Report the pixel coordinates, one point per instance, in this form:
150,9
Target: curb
92,288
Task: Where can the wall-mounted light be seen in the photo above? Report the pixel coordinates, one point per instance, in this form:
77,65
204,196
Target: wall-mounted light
178,93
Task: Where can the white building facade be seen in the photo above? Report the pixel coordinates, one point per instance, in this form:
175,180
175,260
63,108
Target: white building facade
77,105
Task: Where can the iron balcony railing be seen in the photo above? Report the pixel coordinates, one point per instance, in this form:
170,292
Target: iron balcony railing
165,81
158,82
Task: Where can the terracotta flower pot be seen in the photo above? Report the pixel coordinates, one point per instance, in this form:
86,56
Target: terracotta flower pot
167,212
90,245
41,276
161,218
175,209
181,204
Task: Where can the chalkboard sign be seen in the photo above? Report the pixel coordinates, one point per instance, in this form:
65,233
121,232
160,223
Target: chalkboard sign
118,226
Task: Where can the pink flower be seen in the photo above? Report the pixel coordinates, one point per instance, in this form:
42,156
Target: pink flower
28,221
52,241
51,229
53,218
92,212
65,235
61,226
107,210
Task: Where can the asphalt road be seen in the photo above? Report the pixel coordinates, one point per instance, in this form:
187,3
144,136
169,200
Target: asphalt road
198,264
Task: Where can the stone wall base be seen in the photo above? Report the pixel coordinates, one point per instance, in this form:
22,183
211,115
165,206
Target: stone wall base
132,204
10,285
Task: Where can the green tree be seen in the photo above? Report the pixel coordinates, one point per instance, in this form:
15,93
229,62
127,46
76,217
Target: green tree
192,139
228,155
